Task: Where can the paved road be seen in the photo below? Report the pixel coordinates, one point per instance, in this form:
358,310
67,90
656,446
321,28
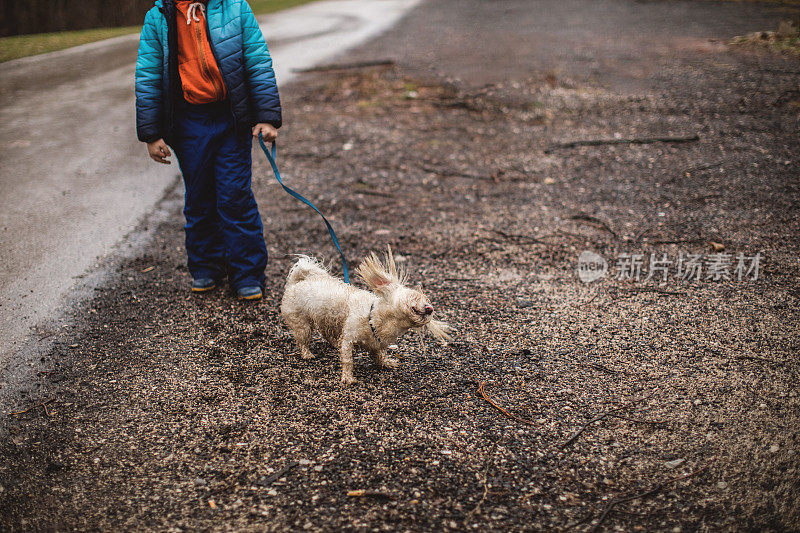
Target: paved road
74,180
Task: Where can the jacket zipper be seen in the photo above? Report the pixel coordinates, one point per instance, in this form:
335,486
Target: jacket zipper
204,68
219,65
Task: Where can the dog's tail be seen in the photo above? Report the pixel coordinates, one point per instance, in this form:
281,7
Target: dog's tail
303,268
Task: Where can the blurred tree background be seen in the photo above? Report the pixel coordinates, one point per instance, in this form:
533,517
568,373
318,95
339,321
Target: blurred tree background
48,16
43,16
30,27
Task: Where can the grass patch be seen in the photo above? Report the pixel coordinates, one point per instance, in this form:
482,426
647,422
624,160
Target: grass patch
785,40
270,6
28,45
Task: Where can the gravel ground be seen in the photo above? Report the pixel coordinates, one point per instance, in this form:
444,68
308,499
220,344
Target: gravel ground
673,406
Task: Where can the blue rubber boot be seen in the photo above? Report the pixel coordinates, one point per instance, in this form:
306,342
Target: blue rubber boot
203,284
249,293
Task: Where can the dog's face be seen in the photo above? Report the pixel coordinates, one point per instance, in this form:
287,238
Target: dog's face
412,305
388,282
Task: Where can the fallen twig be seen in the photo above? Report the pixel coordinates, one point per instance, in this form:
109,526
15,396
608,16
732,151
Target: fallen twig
482,391
451,173
757,358
489,460
665,292
361,493
43,405
272,478
600,367
373,192
519,237
639,420
599,417
642,233
703,167
346,66
624,140
616,501
589,218
587,302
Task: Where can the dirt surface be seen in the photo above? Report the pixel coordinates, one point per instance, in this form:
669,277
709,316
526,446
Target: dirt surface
175,412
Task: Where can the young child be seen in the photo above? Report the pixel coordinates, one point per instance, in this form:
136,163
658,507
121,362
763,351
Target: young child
205,87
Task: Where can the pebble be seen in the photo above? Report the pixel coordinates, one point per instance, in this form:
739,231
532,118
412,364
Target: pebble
318,468
304,462
722,485
774,448
272,492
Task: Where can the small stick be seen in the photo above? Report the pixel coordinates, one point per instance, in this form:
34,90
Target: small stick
757,358
43,404
629,140
642,233
482,391
489,461
361,493
600,367
655,289
590,300
279,474
638,420
677,241
703,167
519,237
373,192
345,66
616,501
599,417
589,218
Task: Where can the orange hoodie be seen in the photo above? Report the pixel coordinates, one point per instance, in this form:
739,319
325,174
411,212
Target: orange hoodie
200,76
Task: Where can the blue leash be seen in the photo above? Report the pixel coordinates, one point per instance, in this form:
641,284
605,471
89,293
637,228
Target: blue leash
271,154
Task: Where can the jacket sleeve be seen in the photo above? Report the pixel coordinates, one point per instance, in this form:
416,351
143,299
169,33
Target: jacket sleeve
149,74
258,68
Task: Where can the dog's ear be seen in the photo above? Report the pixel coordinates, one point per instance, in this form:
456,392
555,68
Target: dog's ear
399,274
378,277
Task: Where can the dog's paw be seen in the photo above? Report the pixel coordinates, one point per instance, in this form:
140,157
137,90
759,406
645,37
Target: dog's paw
389,362
306,355
348,380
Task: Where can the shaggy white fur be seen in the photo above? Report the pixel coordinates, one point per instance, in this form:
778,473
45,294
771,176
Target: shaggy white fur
347,316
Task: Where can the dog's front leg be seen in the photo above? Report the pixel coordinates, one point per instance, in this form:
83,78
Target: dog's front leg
347,362
383,360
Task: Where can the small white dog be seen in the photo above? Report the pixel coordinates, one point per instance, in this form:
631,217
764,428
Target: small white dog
347,316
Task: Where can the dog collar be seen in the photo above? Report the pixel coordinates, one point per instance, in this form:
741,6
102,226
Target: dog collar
369,321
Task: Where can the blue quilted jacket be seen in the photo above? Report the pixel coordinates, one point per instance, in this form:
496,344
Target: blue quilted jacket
241,54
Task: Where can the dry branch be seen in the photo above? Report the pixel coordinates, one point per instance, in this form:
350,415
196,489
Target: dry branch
655,490
594,220
346,66
599,417
482,391
626,140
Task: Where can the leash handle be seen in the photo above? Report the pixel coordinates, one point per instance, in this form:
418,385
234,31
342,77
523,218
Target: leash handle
271,156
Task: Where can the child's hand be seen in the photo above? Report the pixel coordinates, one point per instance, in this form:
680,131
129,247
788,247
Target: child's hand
159,151
266,130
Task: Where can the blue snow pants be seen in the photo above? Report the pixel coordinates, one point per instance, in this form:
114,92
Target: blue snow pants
224,234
